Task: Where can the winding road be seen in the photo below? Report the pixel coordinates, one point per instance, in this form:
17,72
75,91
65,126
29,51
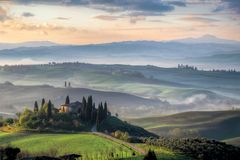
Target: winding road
129,145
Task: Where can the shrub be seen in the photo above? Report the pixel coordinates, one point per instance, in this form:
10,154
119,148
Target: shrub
150,155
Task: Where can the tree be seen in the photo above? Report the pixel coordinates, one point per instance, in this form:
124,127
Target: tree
89,108
94,115
43,102
49,109
100,113
67,100
105,110
98,119
84,108
150,155
35,107
11,153
24,117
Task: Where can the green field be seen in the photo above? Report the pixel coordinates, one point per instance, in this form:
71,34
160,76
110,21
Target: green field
88,145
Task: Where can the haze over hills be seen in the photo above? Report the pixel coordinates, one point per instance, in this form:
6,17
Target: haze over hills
122,103
207,39
167,54
27,44
134,90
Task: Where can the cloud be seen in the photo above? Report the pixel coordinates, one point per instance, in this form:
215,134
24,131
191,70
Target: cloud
200,19
18,25
178,3
3,14
195,99
28,14
134,19
219,8
3,32
107,17
62,18
233,4
146,7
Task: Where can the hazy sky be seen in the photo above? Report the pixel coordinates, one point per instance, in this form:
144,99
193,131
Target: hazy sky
97,21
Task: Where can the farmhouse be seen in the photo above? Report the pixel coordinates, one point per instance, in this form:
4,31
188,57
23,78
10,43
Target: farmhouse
70,108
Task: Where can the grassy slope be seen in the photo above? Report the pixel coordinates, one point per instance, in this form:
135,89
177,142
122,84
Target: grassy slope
88,145
218,125
113,124
84,144
233,141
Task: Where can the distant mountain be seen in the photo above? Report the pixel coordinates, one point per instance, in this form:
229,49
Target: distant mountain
207,39
26,44
150,50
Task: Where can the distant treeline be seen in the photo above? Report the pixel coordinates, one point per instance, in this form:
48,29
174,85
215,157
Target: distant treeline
193,68
77,64
187,67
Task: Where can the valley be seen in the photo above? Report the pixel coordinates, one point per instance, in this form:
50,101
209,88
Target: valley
130,90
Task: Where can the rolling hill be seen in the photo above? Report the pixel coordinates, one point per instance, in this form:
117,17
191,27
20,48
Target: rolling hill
214,125
130,90
119,102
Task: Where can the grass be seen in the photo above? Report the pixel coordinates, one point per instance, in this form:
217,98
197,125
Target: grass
162,153
88,145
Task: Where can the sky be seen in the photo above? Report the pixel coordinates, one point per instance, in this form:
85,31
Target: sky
101,21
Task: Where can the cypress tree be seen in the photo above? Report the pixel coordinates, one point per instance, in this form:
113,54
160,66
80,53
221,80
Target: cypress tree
105,110
84,108
35,107
150,155
89,108
49,109
43,102
93,116
67,100
98,117
101,113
